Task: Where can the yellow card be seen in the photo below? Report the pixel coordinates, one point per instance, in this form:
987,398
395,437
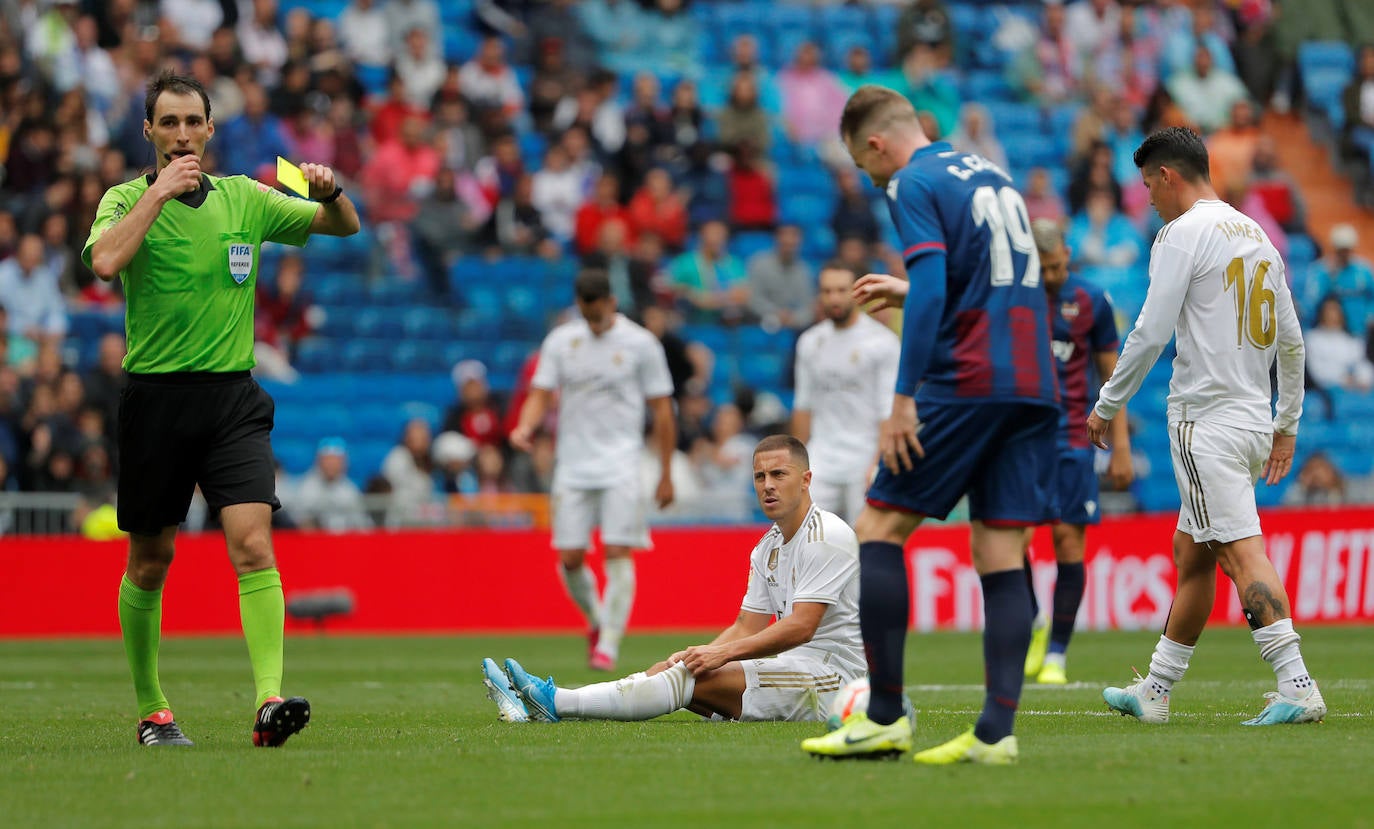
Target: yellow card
291,177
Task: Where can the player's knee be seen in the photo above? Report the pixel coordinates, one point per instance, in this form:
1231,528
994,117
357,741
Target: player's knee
572,559
252,552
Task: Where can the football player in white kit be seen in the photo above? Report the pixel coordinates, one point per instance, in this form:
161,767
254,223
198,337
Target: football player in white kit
604,368
795,643
846,369
1218,284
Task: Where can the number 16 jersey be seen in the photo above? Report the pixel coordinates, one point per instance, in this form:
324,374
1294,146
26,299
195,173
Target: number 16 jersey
1217,283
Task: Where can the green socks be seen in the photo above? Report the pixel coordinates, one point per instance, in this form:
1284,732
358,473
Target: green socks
140,620
262,608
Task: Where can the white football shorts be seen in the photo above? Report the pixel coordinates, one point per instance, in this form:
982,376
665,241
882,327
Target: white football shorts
1216,467
845,496
618,510
790,687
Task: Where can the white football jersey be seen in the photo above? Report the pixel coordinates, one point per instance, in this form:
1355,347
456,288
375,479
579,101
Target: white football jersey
1217,283
845,377
603,383
820,563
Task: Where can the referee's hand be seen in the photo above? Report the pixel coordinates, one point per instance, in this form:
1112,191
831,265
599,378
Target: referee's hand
320,179
181,175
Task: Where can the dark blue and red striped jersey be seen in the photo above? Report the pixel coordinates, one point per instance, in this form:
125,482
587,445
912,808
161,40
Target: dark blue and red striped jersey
992,339
1083,324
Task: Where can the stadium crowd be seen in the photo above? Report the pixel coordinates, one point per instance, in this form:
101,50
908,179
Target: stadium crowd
689,150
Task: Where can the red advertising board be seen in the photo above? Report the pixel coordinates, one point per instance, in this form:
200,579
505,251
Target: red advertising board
487,581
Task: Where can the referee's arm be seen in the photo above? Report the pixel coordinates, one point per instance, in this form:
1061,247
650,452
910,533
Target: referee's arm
117,245
336,215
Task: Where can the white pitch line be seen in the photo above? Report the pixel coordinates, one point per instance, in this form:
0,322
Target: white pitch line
1172,714
1329,684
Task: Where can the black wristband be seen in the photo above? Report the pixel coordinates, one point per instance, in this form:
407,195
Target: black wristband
332,197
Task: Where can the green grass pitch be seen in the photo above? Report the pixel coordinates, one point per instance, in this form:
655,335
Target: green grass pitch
402,735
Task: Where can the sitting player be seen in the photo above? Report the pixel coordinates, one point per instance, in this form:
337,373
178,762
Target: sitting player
804,574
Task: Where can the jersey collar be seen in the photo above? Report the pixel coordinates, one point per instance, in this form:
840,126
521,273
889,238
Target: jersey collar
933,148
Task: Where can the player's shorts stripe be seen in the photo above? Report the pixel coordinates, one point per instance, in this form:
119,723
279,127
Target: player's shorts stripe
920,246
1196,498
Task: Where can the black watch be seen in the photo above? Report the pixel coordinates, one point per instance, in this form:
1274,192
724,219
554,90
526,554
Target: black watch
332,197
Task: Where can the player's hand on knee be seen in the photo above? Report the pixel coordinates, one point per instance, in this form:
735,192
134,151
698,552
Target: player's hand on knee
889,291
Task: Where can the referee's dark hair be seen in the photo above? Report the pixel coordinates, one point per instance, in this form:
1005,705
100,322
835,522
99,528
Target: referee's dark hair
169,81
794,447
1176,147
592,284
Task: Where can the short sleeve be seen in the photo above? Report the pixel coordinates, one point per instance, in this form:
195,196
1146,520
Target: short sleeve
1103,336
917,218
654,377
756,599
546,370
113,206
823,573
284,219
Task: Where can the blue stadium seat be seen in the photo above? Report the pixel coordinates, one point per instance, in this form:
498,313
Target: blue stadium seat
477,324
805,178
418,356
382,323
762,369
427,324
376,420
296,455
318,354
838,42
985,85
807,211
367,355
365,455
373,78
818,243
747,243
459,44
1326,54
1016,118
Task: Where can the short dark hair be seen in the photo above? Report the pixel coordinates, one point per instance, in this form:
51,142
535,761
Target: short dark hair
1176,147
795,448
837,265
169,81
873,108
592,284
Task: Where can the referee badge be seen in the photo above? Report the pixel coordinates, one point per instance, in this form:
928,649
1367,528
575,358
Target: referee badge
240,261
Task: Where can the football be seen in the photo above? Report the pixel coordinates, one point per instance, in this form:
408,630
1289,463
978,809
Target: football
852,697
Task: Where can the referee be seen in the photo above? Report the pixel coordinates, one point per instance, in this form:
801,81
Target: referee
186,245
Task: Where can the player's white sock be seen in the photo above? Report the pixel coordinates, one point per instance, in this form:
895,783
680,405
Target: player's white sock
1280,646
1169,662
1060,659
581,586
615,604
636,697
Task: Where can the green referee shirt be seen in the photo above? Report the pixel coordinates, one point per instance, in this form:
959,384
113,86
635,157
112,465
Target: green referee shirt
189,290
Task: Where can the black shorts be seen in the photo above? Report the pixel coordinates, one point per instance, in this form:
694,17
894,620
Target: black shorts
179,430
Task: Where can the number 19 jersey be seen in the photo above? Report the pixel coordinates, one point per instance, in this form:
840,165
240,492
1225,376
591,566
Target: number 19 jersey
1217,283
993,341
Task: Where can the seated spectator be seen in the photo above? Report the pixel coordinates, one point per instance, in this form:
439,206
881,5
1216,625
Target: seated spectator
603,206
631,276
1239,195
659,209
858,70
489,82
1102,236
647,109
442,229
931,89
31,294
596,110
708,192
250,143
1357,100
387,113
721,460
615,28
475,414
1231,149
292,93
753,198
396,175
977,134
925,24
105,382
364,35
1181,43
1336,358
453,455
742,118
552,82
1093,25
582,157
516,226
495,175
812,96
1320,484
744,58
1128,64
1206,92
308,137
671,39
405,15
421,69
689,120
1094,172
285,316
261,40
1122,133
659,322
854,214
491,471
409,470
1050,70
709,281
1277,188
326,499
532,471
782,286
556,192
1042,200
1340,273
558,25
